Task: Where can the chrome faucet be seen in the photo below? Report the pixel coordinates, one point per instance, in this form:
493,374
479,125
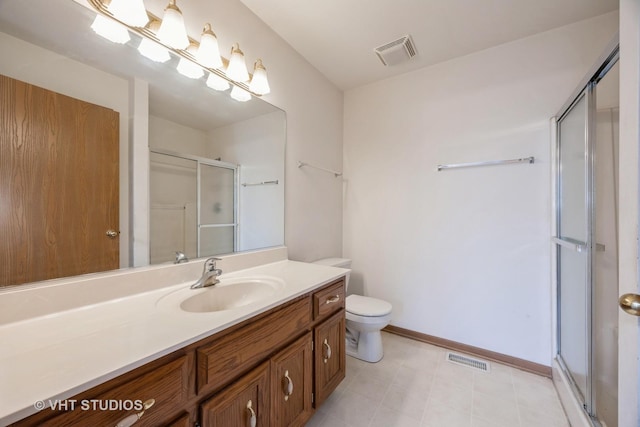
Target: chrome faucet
180,258
209,274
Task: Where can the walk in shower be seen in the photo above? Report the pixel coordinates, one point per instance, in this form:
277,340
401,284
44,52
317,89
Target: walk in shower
586,241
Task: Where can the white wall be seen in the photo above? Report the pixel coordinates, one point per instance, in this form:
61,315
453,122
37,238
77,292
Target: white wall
167,135
463,254
257,145
313,202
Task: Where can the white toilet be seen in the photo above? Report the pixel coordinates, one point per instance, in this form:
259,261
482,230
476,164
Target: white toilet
366,316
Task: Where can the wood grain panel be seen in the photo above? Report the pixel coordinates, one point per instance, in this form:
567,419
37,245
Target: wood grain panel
237,352
168,385
229,408
296,361
59,184
329,299
330,370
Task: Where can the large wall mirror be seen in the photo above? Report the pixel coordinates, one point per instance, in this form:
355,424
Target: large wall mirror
197,171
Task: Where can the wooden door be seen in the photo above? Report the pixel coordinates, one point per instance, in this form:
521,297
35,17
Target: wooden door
59,192
330,356
291,384
242,404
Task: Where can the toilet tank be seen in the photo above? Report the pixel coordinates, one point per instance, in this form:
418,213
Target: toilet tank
337,262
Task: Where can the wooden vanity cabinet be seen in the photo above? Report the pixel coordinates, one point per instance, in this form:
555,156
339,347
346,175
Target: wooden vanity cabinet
243,404
328,340
329,357
167,383
276,368
292,383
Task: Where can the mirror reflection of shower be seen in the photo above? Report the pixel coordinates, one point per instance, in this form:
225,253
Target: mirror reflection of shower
193,207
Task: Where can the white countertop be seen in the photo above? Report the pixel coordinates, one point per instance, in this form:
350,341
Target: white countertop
61,354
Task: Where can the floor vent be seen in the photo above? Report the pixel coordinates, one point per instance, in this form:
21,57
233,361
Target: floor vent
469,362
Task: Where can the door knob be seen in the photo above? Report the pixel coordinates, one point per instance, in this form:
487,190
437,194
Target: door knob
630,303
112,234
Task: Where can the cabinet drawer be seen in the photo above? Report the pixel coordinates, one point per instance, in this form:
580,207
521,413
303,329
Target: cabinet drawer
235,353
168,385
328,300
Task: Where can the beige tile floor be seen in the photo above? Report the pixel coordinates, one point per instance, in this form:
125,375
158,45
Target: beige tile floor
414,386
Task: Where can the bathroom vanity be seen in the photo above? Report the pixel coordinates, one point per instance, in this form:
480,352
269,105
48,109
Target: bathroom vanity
272,362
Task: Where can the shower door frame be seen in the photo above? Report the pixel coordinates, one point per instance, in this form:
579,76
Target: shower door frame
236,185
224,165
587,90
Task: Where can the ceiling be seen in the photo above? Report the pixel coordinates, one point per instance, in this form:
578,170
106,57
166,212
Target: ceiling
338,37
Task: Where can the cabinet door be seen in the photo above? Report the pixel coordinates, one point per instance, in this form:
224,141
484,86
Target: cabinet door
291,383
330,356
244,403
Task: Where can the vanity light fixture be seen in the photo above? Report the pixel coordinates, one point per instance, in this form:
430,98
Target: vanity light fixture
259,83
240,94
131,12
208,51
189,68
172,31
237,69
110,30
162,37
217,83
152,50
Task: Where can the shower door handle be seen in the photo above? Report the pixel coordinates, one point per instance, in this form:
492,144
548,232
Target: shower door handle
630,303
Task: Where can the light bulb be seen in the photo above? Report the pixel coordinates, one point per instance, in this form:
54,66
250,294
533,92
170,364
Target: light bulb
131,12
237,69
152,50
240,94
172,31
259,83
217,82
110,30
208,51
188,68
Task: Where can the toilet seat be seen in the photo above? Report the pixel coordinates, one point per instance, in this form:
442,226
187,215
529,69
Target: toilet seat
367,307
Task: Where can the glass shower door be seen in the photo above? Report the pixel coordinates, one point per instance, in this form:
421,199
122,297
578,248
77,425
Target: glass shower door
217,210
573,241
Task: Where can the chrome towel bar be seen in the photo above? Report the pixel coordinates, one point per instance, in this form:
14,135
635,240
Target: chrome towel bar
301,164
487,163
251,184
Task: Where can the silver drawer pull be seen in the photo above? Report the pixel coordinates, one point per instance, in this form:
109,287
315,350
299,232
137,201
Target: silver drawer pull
252,414
327,350
287,385
333,299
132,419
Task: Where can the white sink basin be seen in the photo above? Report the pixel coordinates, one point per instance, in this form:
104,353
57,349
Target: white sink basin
227,295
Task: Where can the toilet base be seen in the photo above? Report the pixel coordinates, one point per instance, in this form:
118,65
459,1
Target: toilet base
367,348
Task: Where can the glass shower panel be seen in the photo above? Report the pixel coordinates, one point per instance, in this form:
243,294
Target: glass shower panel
573,252
217,212
605,272
572,274
172,214
573,173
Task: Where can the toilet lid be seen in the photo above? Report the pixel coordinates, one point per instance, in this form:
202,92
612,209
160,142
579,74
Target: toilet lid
367,306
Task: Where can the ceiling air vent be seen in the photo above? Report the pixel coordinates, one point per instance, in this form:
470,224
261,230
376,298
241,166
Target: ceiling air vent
396,51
